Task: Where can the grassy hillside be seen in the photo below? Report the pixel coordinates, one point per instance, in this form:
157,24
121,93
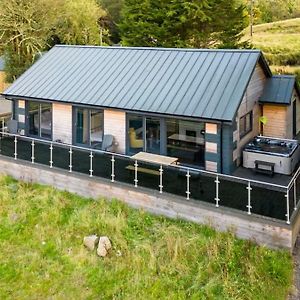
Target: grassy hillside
280,42
42,256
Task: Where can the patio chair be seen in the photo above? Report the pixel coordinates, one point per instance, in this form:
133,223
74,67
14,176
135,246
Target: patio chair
107,142
12,126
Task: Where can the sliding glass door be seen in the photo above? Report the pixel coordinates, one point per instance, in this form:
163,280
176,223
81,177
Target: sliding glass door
88,127
39,116
143,134
178,138
152,144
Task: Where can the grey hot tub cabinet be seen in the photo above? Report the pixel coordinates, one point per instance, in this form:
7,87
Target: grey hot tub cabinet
284,164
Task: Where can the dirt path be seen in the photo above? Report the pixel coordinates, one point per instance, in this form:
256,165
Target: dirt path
296,257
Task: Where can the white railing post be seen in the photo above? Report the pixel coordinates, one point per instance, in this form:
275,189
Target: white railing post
136,173
16,147
112,168
295,195
188,176
217,199
287,207
70,164
91,163
51,155
161,179
32,151
249,188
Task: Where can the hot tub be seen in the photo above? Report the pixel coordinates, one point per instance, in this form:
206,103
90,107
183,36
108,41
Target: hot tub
283,153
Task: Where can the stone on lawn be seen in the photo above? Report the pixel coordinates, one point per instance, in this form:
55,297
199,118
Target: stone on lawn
90,241
104,240
101,251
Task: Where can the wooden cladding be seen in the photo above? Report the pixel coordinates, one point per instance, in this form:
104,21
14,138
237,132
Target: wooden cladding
277,119
62,122
115,124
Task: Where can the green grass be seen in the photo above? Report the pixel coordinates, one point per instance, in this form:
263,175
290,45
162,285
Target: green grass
280,42
42,255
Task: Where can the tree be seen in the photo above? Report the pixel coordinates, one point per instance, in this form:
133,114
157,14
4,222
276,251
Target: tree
29,27
79,23
113,9
183,23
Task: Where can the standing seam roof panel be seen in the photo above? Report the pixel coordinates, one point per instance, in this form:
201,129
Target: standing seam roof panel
172,100
136,79
200,91
143,94
201,107
70,70
169,84
170,69
240,87
219,92
111,93
98,75
112,77
83,71
55,78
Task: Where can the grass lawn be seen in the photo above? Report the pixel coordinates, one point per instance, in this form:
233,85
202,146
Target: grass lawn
42,255
280,42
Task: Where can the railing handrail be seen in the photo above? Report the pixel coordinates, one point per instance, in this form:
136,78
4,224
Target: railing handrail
181,167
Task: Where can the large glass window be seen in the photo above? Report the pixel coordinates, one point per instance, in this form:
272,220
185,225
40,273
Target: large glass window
88,127
40,119
185,140
173,137
136,133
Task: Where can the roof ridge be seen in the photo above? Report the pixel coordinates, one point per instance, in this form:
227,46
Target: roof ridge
162,48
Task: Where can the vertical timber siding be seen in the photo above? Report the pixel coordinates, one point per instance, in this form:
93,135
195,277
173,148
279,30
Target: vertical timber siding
62,122
115,124
249,103
276,125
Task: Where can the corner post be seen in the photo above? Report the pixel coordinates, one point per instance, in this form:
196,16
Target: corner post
91,164
51,155
188,193
70,165
217,199
112,168
16,147
249,188
32,151
287,207
161,179
136,173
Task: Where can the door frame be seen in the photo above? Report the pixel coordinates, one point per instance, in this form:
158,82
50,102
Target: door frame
74,124
39,136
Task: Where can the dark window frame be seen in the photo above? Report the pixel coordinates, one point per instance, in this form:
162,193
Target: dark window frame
75,121
243,120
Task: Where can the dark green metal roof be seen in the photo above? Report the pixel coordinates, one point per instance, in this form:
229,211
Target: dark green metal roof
196,83
279,89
